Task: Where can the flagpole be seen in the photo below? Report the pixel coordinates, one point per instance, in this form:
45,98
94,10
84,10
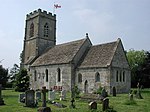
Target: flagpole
54,8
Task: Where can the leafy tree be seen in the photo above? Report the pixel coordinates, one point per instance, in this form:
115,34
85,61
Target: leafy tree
13,73
3,76
136,59
22,82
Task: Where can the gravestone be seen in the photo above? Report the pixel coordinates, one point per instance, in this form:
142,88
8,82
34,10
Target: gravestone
51,95
104,93
92,105
105,104
44,108
1,99
30,98
130,97
22,97
72,103
63,95
91,97
138,94
114,91
38,95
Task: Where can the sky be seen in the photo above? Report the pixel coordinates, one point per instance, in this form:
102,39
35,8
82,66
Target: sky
103,20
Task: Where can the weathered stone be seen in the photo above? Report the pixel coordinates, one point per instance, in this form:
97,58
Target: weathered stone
30,98
105,104
51,95
92,105
22,97
44,109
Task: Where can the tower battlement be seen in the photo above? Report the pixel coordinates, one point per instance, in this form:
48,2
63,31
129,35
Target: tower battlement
42,13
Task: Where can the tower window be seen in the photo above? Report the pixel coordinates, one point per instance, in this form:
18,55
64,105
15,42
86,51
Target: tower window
79,78
32,30
35,76
46,30
97,77
46,72
59,75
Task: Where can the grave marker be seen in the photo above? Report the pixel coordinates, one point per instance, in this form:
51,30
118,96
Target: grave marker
30,98
1,99
92,105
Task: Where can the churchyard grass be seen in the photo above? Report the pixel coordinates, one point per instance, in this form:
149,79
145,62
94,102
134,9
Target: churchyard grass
120,103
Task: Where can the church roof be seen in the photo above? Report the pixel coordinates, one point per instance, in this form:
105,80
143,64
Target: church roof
99,55
60,54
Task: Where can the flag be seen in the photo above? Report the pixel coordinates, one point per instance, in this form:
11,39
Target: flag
57,6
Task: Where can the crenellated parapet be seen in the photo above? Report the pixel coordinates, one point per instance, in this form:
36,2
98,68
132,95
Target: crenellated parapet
41,13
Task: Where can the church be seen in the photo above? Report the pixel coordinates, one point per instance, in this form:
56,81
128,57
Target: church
73,63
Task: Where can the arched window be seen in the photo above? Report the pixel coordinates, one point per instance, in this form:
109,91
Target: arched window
79,78
46,72
35,76
97,77
117,76
46,30
123,76
31,30
120,76
59,75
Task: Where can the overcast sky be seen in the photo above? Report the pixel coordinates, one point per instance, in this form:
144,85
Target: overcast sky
103,20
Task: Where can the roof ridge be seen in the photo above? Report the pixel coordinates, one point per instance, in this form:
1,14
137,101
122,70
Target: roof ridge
105,43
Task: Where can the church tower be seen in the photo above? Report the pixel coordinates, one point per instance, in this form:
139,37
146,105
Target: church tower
40,33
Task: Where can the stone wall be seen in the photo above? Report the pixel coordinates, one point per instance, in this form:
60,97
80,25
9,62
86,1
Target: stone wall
89,75
52,76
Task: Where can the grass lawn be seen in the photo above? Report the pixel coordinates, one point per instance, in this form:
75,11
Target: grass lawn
119,103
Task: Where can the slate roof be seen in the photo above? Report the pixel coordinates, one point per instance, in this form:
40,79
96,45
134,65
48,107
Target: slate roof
99,55
63,53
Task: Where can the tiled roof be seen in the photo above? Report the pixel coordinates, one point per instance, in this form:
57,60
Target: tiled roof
99,55
63,53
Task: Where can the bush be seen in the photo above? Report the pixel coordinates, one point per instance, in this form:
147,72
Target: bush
99,90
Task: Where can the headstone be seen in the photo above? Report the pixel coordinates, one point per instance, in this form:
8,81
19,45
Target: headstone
130,97
22,97
92,105
30,98
38,95
138,94
105,104
44,108
114,91
72,103
1,99
104,93
63,95
51,95
57,104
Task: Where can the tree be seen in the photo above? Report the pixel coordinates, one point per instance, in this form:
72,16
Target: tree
22,82
13,73
136,59
3,76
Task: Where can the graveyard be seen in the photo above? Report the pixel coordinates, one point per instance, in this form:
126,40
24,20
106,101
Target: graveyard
118,103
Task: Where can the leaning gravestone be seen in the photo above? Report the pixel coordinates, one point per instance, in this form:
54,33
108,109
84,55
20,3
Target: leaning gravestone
130,97
22,98
114,91
1,99
30,98
105,104
92,105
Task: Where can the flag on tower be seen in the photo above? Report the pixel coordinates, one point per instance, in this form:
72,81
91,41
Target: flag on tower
57,6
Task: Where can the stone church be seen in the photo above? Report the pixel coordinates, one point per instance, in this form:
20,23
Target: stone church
73,63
